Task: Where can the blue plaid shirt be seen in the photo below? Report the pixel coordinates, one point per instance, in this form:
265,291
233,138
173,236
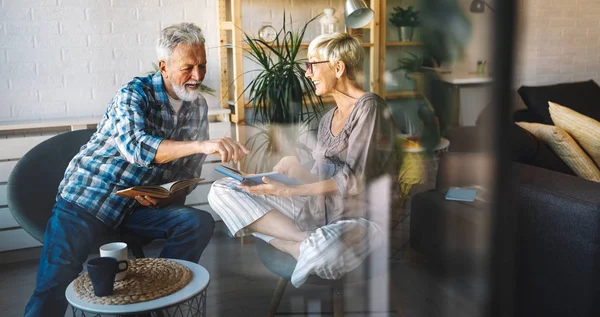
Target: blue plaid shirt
120,153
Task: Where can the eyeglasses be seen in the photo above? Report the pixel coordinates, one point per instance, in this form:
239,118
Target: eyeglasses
309,65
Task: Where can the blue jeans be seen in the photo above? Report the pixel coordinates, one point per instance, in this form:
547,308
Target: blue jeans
71,233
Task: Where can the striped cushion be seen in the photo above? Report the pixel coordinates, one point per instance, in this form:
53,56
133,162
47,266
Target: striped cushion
566,148
585,130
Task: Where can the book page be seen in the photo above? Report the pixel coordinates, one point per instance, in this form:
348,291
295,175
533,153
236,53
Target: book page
168,186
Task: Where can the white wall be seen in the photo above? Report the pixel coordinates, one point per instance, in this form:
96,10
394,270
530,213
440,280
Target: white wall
66,58
559,41
480,47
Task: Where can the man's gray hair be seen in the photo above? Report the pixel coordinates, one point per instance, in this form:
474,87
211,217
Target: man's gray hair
186,33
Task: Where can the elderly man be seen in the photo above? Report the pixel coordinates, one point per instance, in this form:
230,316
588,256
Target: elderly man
154,131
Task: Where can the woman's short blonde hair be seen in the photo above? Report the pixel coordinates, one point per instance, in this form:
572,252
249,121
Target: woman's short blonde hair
336,47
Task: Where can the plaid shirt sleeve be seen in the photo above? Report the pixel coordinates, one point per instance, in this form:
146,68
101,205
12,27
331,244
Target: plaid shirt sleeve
132,141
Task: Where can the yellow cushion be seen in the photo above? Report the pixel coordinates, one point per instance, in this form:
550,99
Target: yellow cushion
566,148
585,130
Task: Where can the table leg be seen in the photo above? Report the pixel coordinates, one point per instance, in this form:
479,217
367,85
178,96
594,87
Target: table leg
455,106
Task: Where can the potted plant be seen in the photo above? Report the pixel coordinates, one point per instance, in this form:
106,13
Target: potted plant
284,103
405,20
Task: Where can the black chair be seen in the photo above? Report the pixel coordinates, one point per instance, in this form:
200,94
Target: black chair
283,264
33,185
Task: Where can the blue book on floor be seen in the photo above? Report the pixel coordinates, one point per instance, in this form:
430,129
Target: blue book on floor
461,194
255,179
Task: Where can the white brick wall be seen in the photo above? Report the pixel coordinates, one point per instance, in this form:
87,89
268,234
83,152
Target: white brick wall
66,58
558,41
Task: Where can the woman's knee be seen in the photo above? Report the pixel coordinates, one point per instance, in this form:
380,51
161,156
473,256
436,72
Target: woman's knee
221,189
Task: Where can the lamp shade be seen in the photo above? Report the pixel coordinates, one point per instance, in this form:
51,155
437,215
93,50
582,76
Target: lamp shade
357,13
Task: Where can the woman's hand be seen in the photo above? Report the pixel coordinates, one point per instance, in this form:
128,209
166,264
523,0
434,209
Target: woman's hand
270,187
289,166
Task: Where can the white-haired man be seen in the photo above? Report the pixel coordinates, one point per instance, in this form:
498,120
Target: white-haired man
154,131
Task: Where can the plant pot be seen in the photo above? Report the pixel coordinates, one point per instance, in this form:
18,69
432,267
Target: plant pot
405,33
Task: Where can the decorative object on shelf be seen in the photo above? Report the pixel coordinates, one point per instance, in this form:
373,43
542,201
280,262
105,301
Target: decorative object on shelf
202,88
481,67
478,6
405,20
267,33
357,14
329,22
280,95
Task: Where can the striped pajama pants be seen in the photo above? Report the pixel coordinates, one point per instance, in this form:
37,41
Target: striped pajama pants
330,251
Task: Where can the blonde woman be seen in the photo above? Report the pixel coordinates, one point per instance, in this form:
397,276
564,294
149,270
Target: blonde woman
324,222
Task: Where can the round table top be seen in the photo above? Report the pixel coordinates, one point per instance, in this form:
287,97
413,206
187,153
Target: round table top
199,282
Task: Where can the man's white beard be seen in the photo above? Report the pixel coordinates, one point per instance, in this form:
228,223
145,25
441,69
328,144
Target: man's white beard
186,95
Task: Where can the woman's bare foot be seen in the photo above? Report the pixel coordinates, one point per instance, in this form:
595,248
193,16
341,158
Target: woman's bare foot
290,247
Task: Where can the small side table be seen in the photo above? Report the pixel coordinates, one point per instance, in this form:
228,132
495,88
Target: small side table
415,169
188,301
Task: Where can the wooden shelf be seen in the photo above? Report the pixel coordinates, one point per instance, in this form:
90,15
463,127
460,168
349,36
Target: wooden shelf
403,43
326,101
406,94
231,53
302,45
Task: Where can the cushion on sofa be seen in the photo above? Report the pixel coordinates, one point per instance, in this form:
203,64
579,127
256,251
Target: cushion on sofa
582,97
585,130
566,148
527,149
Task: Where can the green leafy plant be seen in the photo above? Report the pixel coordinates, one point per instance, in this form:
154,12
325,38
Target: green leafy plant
410,64
284,103
280,93
202,88
405,17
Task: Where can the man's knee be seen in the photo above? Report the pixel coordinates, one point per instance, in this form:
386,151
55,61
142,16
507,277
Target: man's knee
199,222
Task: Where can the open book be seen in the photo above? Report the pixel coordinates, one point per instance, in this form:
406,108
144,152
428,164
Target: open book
158,191
255,179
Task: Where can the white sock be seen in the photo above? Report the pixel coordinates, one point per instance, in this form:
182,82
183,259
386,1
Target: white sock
263,237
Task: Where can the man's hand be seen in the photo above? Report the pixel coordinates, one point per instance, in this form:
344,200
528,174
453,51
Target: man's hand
153,202
148,201
226,148
270,187
289,166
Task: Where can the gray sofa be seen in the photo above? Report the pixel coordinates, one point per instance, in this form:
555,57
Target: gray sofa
558,250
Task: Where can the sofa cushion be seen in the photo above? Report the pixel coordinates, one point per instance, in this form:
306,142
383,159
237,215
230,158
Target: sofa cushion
585,130
526,115
527,149
566,148
583,97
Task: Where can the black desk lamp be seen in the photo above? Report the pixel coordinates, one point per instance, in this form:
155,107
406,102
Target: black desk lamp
478,6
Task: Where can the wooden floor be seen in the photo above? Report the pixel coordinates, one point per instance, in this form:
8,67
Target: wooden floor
241,286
